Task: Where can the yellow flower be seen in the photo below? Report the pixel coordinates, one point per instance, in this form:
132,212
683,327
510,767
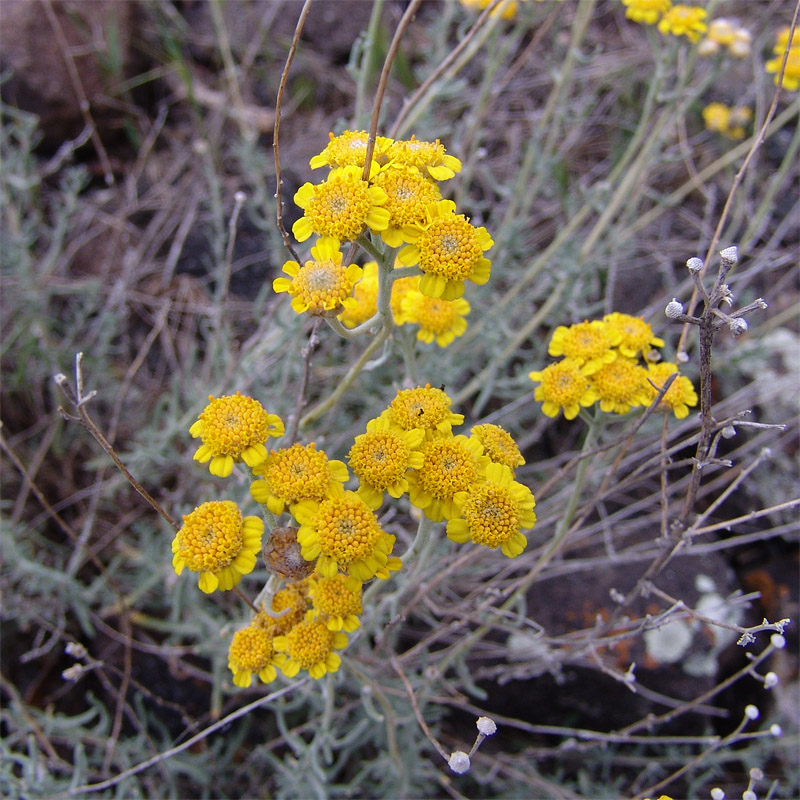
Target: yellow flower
637,336
299,472
252,653
439,320
564,385
427,157
219,543
498,445
341,207
233,428
728,34
684,21
506,10
729,122
679,396
380,459
289,607
449,251
365,295
791,75
400,288
310,645
647,12
494,512
343,534
782,40
620,386
336,601
408,194
322,286
451,465
349,148
424,408
588,343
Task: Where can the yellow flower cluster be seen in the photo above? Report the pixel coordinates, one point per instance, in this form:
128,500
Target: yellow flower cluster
678,20
466,480
400,204
726,35
730,122
507,9
610,362
791,75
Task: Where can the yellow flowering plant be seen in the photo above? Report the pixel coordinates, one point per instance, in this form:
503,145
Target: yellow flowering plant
476,430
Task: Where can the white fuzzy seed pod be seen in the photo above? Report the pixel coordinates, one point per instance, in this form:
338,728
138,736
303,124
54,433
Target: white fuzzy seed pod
776,730
674,309
486,726
717,794
459,762
777,641
770,680
730,255
695,264
751,712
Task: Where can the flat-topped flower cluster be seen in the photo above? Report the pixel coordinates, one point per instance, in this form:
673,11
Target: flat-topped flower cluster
395,204
335,542
612,362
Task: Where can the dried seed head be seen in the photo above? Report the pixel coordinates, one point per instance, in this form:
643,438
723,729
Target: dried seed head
674,309
695,264
283,556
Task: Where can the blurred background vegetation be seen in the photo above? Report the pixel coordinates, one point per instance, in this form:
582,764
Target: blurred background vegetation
127,130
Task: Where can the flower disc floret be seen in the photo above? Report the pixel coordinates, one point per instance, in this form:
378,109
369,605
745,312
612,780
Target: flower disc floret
424,408
350,148
344,535
620,386
646,12
299,472
451,465
429,157
408,195
321,286
309,646
589,343
637,337
289,606
233,428
680,395
448,249
494,513
439,320
401,287
337,602
365,295
380,459
342,207
688,21
251,653
498,444
563,385
216,541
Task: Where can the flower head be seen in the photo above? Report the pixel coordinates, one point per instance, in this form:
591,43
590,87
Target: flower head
233,428
493,513
429,157
646,12
451,465
727,34
381,457
688,21
309,645
408,194
563,385
350,149
321,286
365,295
679,396
289,607
336,601
791,74
729,122
637,336
401,287
448,249
299,472
219,543
620,386
343,534
507,10
251,653
424,408
498,444
341,207
588,343
439,320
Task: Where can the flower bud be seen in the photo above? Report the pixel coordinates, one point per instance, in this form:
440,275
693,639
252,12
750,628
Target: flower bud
695,264
730,255
770,680
751,712
737,326
777,641
459,762
674,309
486,726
